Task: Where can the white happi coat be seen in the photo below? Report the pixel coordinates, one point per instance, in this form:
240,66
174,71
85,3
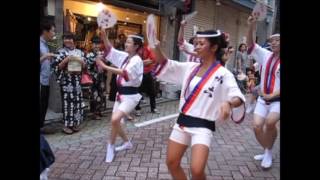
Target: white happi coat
262,56
133,71
190,48
219,88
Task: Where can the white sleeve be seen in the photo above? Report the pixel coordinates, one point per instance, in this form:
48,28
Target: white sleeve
134,68
231,87
116,57
258,53
173,71
189,47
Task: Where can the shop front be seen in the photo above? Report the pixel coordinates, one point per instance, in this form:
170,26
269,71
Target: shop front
80,19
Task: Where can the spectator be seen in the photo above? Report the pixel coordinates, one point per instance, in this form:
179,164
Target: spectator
71,92
98,88
47,31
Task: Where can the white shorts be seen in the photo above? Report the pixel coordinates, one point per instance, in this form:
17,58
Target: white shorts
125,106
262,109
183,137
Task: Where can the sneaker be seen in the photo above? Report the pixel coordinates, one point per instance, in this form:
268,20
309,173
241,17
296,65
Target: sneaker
155,111
124,146
138,113
110,153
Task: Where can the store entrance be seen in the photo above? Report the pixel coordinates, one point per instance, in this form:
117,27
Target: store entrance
86,28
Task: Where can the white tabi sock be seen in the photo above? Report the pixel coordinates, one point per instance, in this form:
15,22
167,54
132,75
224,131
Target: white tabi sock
110,153
267,159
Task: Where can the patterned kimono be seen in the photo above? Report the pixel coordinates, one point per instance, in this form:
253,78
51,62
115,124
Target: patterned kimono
71,93
98,88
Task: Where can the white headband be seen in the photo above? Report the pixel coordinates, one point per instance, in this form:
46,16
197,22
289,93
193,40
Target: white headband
209,35
275,35
135,36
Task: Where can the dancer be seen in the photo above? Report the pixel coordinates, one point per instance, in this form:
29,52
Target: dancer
187,48
129,77
267,111
209,91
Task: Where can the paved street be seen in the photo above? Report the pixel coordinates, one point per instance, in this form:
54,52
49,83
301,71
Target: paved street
82,155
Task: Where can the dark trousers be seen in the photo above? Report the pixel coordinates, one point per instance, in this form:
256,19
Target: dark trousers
44,101
148,86
47,157
113,88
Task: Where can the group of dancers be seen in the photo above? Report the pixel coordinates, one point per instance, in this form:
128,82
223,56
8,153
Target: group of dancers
209,92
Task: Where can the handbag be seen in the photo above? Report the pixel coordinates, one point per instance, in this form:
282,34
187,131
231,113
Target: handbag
74,65
86,80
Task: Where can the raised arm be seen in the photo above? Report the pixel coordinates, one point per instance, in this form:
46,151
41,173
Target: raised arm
105,38
251,36
181,32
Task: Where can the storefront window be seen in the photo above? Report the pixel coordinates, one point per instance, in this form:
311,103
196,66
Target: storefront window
154,4
84,23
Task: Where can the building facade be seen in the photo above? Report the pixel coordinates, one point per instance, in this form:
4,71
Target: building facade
229,16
